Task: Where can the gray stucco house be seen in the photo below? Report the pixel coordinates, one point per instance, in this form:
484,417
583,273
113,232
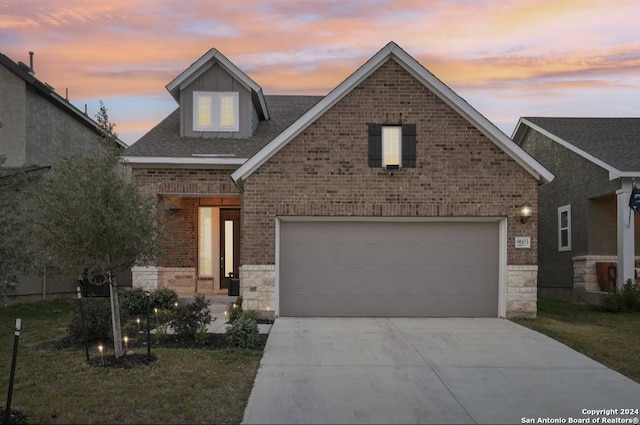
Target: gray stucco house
39,127
389,196
585,217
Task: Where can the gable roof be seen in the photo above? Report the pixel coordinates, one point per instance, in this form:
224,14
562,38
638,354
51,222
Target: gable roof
205,62
611,143
393,51
162,145
46,91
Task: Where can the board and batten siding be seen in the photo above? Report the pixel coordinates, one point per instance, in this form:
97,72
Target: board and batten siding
215,79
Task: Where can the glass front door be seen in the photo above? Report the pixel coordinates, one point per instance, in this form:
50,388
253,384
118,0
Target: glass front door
229,245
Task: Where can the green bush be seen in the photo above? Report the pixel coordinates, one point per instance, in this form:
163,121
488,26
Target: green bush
201,335
252,314
235,310
163,299
131,329
133,301
97,320
625,300
190,317
243,332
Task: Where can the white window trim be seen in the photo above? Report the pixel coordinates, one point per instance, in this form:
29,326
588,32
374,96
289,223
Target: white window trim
561,210
384,164
215,111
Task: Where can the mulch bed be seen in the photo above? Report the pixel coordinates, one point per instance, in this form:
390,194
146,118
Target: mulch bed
15,417
136,350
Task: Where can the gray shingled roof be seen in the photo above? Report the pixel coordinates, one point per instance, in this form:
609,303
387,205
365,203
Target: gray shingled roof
164,139
615,141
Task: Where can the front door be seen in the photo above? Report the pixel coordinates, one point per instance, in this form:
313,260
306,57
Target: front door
229,245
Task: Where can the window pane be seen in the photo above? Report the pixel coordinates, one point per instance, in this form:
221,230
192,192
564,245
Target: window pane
391,145
205,238
228,247
564,219
204,111
564,238
227,118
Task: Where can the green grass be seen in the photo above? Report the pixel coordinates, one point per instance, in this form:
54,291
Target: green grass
612,339
54,385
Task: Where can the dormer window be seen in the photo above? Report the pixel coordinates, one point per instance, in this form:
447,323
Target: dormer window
216,111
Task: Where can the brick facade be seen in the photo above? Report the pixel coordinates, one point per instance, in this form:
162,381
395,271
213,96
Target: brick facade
324,171
186,190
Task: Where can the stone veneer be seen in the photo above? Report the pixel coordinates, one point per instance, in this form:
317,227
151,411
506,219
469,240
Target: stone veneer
584,271
257,287
522,291
182,279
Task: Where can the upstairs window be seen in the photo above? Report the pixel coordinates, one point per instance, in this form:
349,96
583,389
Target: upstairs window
215,111
392,145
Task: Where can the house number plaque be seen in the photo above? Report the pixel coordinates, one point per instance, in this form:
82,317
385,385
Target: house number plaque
523,242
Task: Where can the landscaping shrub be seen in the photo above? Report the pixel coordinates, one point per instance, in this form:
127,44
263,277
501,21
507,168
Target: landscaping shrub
625,300
163,298
133,301
131,328
201,335
243,332
235,310
97,320
190,317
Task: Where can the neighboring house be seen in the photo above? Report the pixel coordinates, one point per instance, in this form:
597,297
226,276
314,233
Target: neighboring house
39,127
390,196
585,217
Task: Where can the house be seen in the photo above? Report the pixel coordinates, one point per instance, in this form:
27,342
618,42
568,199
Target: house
39,127
389,196
584,218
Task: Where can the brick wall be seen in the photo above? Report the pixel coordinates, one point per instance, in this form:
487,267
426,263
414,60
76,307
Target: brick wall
324,171
193,188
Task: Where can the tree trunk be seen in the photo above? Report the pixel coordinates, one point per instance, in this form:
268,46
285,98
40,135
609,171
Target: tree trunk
115,319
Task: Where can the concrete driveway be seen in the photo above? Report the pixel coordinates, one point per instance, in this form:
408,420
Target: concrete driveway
332,370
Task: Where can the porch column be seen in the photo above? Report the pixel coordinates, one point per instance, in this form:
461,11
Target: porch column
626,254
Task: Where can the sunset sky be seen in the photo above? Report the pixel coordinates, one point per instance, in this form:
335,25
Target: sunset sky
507,58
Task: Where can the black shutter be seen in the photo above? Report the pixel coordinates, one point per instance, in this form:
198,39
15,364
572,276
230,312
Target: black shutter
375,145
409,145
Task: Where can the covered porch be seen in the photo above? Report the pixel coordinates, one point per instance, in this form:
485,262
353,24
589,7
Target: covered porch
613,238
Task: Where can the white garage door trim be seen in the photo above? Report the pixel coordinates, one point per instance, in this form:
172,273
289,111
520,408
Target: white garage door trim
502,255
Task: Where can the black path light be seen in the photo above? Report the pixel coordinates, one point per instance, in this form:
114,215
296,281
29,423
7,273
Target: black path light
148,326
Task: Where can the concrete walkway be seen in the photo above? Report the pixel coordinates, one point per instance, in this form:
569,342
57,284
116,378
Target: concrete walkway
218,307
330,370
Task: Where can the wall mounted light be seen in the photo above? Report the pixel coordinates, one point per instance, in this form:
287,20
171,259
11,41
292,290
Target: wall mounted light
525,212
391,169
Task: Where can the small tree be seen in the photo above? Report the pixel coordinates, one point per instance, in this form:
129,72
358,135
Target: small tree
91,217
14,247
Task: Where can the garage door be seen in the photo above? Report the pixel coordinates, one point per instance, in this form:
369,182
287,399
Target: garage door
388,269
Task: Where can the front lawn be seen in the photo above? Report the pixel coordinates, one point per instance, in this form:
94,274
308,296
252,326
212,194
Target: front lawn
612,339
54,383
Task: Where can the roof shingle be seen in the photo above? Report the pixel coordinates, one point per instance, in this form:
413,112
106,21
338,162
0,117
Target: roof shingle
164,139
615,141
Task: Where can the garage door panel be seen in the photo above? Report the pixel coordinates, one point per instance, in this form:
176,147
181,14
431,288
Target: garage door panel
388,269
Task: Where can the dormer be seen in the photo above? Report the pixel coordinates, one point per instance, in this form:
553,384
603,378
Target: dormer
217,99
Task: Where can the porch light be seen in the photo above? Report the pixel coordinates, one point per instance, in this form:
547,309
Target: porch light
525,213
